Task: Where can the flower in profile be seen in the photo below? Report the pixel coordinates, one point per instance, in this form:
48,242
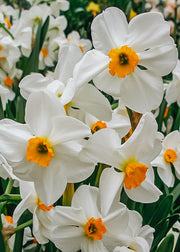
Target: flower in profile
130,162
45,149
42,214
83,226
129,60
169,155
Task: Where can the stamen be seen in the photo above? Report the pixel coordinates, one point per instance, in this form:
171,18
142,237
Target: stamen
170,156
95,228
39,150
97,126
135,174
123,61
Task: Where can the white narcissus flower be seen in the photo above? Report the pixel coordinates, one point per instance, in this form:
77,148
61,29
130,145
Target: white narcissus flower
45,149
170,154
83,225
120,123
130,162
129,59
58,5
43,222
173,88
86,98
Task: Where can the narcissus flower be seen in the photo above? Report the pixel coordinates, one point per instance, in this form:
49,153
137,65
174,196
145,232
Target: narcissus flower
42,214
130,162
129,59
45,149
170,155
83,226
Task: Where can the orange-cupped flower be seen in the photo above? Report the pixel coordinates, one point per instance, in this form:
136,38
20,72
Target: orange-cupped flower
135,174
95,228
44,52
39,150
97,126
8,81
170,156
123,61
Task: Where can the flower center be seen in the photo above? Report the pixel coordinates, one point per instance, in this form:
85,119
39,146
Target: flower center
95,228
44,52
135,174
97,126
1,47
8,81
39,150
170,156
123,61
42,206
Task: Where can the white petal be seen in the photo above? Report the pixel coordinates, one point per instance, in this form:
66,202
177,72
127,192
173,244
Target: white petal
148,30
13,139
89,245
40,109
110,186
86,198
49,183
67,129
92,63
69,55
161,60
38,230
108,83
141,91
93,101
32,83
101,147
146,192
109,29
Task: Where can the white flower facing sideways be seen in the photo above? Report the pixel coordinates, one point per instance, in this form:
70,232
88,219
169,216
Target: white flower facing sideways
83,225
87,98
129,59
130,162
170,154
43,222
45,149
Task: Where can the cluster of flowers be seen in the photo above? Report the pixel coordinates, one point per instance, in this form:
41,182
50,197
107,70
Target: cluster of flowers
71,129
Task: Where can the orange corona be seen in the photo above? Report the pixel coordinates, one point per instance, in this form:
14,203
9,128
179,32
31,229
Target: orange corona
95,228
123,61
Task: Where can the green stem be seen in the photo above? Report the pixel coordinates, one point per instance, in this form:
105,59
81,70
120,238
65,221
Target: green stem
6,30
24,225
6,197
9,186
100,169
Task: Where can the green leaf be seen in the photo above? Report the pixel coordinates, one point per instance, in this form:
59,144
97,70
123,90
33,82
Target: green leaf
20,109
168,242
43,32
176,125
177,247
1,110
162,210
19,234
159,234
33,61
176,192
